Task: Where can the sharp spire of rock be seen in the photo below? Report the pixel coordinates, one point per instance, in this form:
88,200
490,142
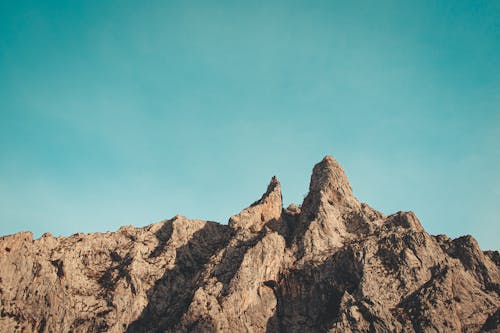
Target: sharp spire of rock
266,209
329,186
330,213
273,191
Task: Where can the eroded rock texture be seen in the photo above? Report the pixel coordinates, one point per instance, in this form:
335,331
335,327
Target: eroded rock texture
332,264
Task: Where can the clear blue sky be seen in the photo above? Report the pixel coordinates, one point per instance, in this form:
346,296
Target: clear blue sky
129,112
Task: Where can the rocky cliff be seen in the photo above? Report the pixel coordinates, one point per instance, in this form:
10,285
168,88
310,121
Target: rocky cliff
332,264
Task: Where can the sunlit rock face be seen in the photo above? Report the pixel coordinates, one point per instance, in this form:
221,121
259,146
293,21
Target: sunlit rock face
332,264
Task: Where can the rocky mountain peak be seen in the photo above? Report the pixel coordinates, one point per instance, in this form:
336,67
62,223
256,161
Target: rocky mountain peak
330,214
329,176
268,208
332,265
329,185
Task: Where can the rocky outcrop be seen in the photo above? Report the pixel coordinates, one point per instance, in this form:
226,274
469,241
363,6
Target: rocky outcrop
330,214
261,212
332,264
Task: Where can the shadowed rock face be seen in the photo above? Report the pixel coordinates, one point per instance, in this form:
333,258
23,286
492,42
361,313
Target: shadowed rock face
332,264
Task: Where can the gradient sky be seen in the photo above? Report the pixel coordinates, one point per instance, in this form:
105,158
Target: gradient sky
129,112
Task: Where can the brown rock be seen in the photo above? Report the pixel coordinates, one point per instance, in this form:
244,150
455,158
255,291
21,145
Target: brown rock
267,209
332,264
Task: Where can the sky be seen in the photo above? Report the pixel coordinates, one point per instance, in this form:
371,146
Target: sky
129,112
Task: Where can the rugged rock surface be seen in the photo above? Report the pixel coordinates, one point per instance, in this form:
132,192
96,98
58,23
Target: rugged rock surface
331,265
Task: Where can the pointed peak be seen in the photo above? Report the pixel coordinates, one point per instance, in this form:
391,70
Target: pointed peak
329,159
329,175
264,210
330,163
329,183
273,191
274,186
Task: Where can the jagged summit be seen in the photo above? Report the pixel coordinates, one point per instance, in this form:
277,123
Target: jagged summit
330,214
266,209
328,178
332,265
273,192
329,186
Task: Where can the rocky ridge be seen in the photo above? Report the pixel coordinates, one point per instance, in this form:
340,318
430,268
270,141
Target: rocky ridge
332,264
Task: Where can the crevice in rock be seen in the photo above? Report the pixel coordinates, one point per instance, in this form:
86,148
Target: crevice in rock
163,235
59,265
171,295
231,261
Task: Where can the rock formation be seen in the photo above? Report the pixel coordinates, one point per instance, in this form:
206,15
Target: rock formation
332,264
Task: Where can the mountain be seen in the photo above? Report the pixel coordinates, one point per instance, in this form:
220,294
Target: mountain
332,264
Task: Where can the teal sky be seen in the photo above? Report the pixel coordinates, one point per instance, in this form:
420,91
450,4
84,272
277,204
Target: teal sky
129,112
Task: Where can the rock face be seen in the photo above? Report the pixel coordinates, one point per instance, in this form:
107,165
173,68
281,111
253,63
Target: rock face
331,265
